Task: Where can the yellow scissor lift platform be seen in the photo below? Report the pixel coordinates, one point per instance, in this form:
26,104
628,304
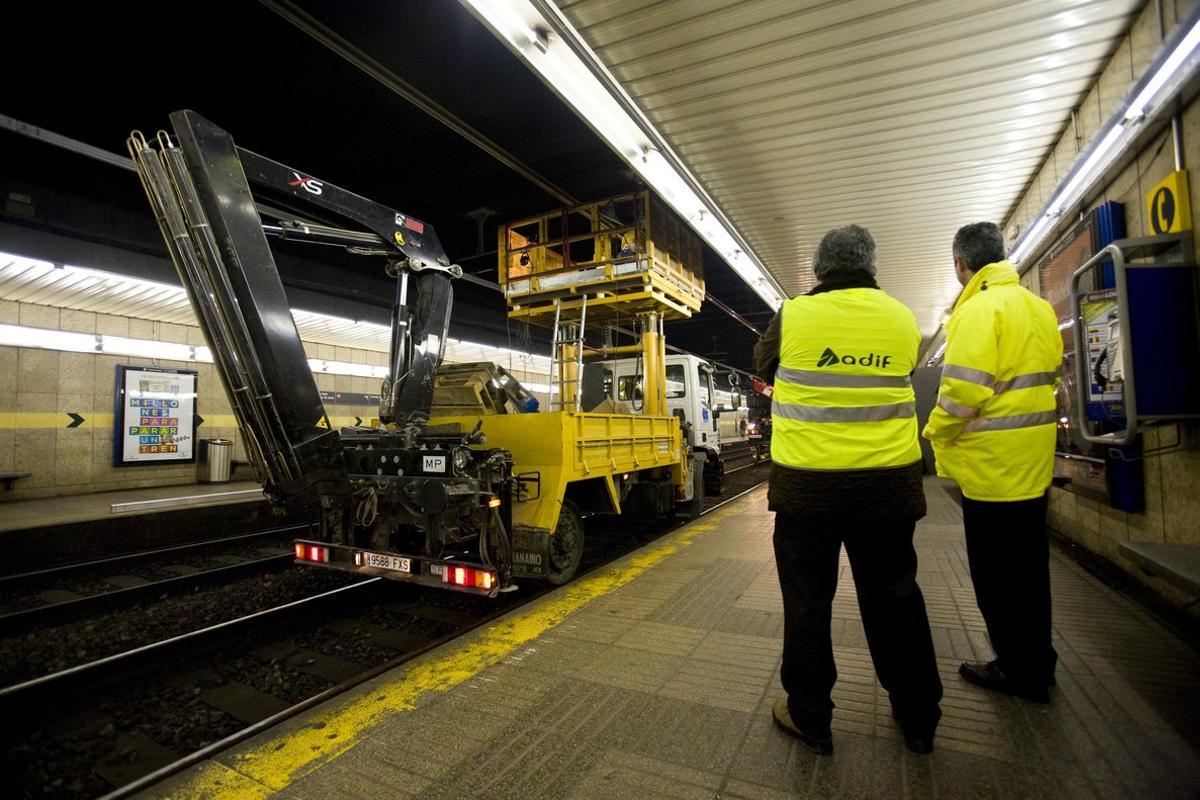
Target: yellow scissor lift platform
625,260
627,254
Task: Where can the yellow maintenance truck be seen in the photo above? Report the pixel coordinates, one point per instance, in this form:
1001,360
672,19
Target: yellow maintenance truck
590,273
460,483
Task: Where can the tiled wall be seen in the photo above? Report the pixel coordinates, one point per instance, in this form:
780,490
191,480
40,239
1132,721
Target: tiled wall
79,460
1172,512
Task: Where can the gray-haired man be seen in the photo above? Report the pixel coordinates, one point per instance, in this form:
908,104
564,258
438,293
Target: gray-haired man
847,471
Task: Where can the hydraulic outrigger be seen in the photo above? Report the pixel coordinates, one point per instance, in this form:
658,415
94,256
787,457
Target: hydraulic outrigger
406,499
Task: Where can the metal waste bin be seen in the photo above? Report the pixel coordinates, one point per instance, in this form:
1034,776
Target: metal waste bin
215,461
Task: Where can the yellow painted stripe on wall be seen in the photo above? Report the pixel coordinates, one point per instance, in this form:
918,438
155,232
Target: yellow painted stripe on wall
53,419
334,729
60,419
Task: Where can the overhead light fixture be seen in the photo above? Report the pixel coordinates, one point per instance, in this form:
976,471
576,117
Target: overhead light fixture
572,70
23,272
1174,65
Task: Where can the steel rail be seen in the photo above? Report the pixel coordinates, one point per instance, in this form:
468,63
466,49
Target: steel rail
21,577
17,622
94,674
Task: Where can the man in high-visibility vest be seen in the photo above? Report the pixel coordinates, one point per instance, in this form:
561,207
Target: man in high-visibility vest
847,471
993,433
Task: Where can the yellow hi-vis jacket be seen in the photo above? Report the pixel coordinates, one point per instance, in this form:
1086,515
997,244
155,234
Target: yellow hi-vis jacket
993,430
842,397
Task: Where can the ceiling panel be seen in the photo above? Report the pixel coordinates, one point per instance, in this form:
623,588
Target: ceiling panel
909,118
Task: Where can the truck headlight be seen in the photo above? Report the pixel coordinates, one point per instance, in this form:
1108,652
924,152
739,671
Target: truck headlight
461,459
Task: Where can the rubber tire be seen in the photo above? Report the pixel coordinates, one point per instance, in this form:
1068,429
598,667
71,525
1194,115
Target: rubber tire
569,551
693,508
714,485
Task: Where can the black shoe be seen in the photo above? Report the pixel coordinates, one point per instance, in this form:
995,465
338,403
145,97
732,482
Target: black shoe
990,676
821,744
918,743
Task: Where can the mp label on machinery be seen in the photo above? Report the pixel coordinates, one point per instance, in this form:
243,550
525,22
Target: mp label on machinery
433,463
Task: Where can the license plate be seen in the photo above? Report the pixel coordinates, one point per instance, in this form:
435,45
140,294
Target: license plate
394,563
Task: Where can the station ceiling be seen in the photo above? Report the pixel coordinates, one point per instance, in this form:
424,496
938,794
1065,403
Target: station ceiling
910,118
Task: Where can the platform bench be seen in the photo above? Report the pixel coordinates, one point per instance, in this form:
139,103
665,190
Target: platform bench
8,478
1178,564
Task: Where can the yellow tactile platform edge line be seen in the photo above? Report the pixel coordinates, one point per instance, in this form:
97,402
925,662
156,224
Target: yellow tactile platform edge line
335,728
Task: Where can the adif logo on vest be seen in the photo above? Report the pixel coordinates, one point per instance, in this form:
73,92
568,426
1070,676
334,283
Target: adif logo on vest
829,358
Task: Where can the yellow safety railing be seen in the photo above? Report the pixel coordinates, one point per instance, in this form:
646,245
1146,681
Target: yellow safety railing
628,253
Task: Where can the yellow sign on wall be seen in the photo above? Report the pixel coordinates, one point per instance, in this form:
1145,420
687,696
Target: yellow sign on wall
1168,207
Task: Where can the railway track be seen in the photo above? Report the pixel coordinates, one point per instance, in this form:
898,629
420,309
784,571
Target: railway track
49,595
322,645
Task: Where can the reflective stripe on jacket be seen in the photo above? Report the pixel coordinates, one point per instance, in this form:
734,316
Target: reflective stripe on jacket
842,397
993,430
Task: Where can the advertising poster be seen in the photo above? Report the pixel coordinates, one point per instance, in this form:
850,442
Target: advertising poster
156,416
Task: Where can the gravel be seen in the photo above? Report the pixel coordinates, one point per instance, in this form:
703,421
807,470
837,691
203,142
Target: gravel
53,649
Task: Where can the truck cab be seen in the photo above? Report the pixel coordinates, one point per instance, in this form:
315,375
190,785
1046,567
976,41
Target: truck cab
690,397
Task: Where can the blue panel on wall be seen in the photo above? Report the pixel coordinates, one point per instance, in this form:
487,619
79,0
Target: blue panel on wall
1109,226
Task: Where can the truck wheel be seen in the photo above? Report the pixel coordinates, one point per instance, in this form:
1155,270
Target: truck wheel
566,546
695,507
714,477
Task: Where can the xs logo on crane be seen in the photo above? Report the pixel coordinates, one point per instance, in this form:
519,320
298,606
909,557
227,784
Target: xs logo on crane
310,185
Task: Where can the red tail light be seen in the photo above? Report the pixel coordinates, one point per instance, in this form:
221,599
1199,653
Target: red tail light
471,577
311,552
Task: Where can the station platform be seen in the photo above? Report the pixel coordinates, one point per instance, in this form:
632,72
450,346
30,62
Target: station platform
654,678
48,511
51,531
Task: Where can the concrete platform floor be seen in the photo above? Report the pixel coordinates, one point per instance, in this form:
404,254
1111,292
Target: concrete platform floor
655,677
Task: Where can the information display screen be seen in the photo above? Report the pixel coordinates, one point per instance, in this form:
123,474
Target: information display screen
156,416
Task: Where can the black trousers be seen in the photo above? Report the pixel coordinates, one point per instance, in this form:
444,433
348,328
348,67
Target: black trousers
884,565
1008,551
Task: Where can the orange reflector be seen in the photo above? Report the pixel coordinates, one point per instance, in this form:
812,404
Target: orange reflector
494,502
299,551
483,579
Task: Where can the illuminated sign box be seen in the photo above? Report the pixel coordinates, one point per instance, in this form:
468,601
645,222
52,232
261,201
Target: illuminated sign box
156,416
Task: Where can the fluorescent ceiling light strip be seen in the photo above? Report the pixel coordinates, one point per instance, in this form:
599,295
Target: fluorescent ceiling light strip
520,24
1175,64
72,342
166,294
1146,97
43,339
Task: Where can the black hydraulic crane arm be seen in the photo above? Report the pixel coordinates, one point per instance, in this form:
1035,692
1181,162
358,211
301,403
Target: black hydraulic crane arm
200,189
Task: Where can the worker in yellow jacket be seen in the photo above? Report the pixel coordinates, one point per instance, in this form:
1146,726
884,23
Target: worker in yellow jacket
847,472
993,433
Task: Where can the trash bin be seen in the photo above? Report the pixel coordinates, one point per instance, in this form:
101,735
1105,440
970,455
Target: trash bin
214,463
